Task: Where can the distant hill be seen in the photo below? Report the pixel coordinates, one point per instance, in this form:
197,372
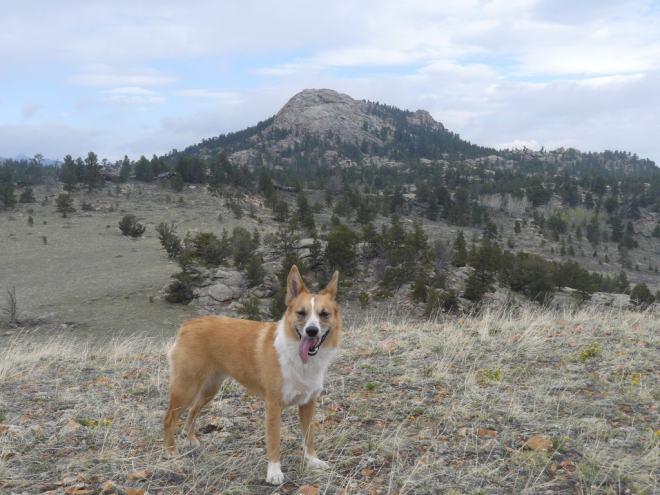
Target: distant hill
321,127
333,127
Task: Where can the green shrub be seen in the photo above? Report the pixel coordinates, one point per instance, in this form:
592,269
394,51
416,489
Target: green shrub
64,204
419,291
7,197
251,309
169,240
448,301
27,196
590,351
641,296
476,286
243,245
277,304
490,375
209,249
176,182
130,227
254,270
340,249
181,288
363,299
437,301
459,250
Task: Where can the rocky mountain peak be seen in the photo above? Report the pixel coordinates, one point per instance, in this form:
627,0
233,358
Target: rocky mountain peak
323,112
327,112
424,118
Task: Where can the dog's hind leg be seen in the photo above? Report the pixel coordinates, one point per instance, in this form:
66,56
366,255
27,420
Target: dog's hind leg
208,390
183,390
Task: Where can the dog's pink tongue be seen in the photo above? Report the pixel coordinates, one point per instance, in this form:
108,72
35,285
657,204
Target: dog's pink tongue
306,343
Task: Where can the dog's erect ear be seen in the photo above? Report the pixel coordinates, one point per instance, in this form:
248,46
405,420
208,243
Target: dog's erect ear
331,288
294,285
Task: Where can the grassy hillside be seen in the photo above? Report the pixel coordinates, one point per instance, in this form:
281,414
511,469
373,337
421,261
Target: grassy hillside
533,402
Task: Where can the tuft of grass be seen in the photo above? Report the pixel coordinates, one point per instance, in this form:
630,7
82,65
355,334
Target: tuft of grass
91,422
589,351
490,375
635,378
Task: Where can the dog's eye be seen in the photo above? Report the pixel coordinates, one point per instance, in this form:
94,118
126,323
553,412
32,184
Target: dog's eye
324,314
301,312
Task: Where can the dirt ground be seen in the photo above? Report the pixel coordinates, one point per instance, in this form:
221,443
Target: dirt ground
88,276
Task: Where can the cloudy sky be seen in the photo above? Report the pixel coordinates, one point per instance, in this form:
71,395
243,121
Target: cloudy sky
142,77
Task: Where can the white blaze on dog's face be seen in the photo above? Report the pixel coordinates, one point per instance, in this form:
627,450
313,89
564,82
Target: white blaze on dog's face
311,319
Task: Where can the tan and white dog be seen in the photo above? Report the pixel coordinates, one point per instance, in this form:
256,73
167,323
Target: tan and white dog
283,362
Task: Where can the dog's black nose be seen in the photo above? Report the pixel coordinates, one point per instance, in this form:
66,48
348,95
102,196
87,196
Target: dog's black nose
312,331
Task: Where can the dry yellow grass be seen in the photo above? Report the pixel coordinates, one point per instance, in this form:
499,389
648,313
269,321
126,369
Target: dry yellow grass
413,407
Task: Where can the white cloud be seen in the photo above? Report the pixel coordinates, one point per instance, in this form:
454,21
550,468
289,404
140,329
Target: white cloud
224,97
133,95
105,75
554,72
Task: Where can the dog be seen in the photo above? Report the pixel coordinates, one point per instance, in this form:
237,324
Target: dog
282,362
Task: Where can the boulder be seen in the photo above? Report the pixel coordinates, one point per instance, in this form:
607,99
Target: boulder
619,301
267,288
306,243
565,298
221,292
231,278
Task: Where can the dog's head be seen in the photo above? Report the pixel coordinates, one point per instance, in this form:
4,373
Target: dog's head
311,319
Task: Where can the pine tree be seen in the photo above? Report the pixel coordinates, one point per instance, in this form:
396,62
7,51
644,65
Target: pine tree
617,228
305,214
64,204
433,209
7,196
628,240
125,170
144,170
475,287
640,295
459,253
254,270
69,174
92,176
593,231
340,249
419,291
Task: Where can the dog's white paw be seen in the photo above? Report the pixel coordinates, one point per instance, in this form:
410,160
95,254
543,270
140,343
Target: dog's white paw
274,475
170,453
192,442
316,463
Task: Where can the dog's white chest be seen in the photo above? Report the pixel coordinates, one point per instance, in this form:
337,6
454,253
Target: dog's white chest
299,388
300,382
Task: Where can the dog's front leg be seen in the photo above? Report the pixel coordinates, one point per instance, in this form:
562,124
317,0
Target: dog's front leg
273,421
306,413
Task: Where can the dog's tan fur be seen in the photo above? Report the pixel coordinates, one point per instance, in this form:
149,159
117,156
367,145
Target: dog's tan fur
211,348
